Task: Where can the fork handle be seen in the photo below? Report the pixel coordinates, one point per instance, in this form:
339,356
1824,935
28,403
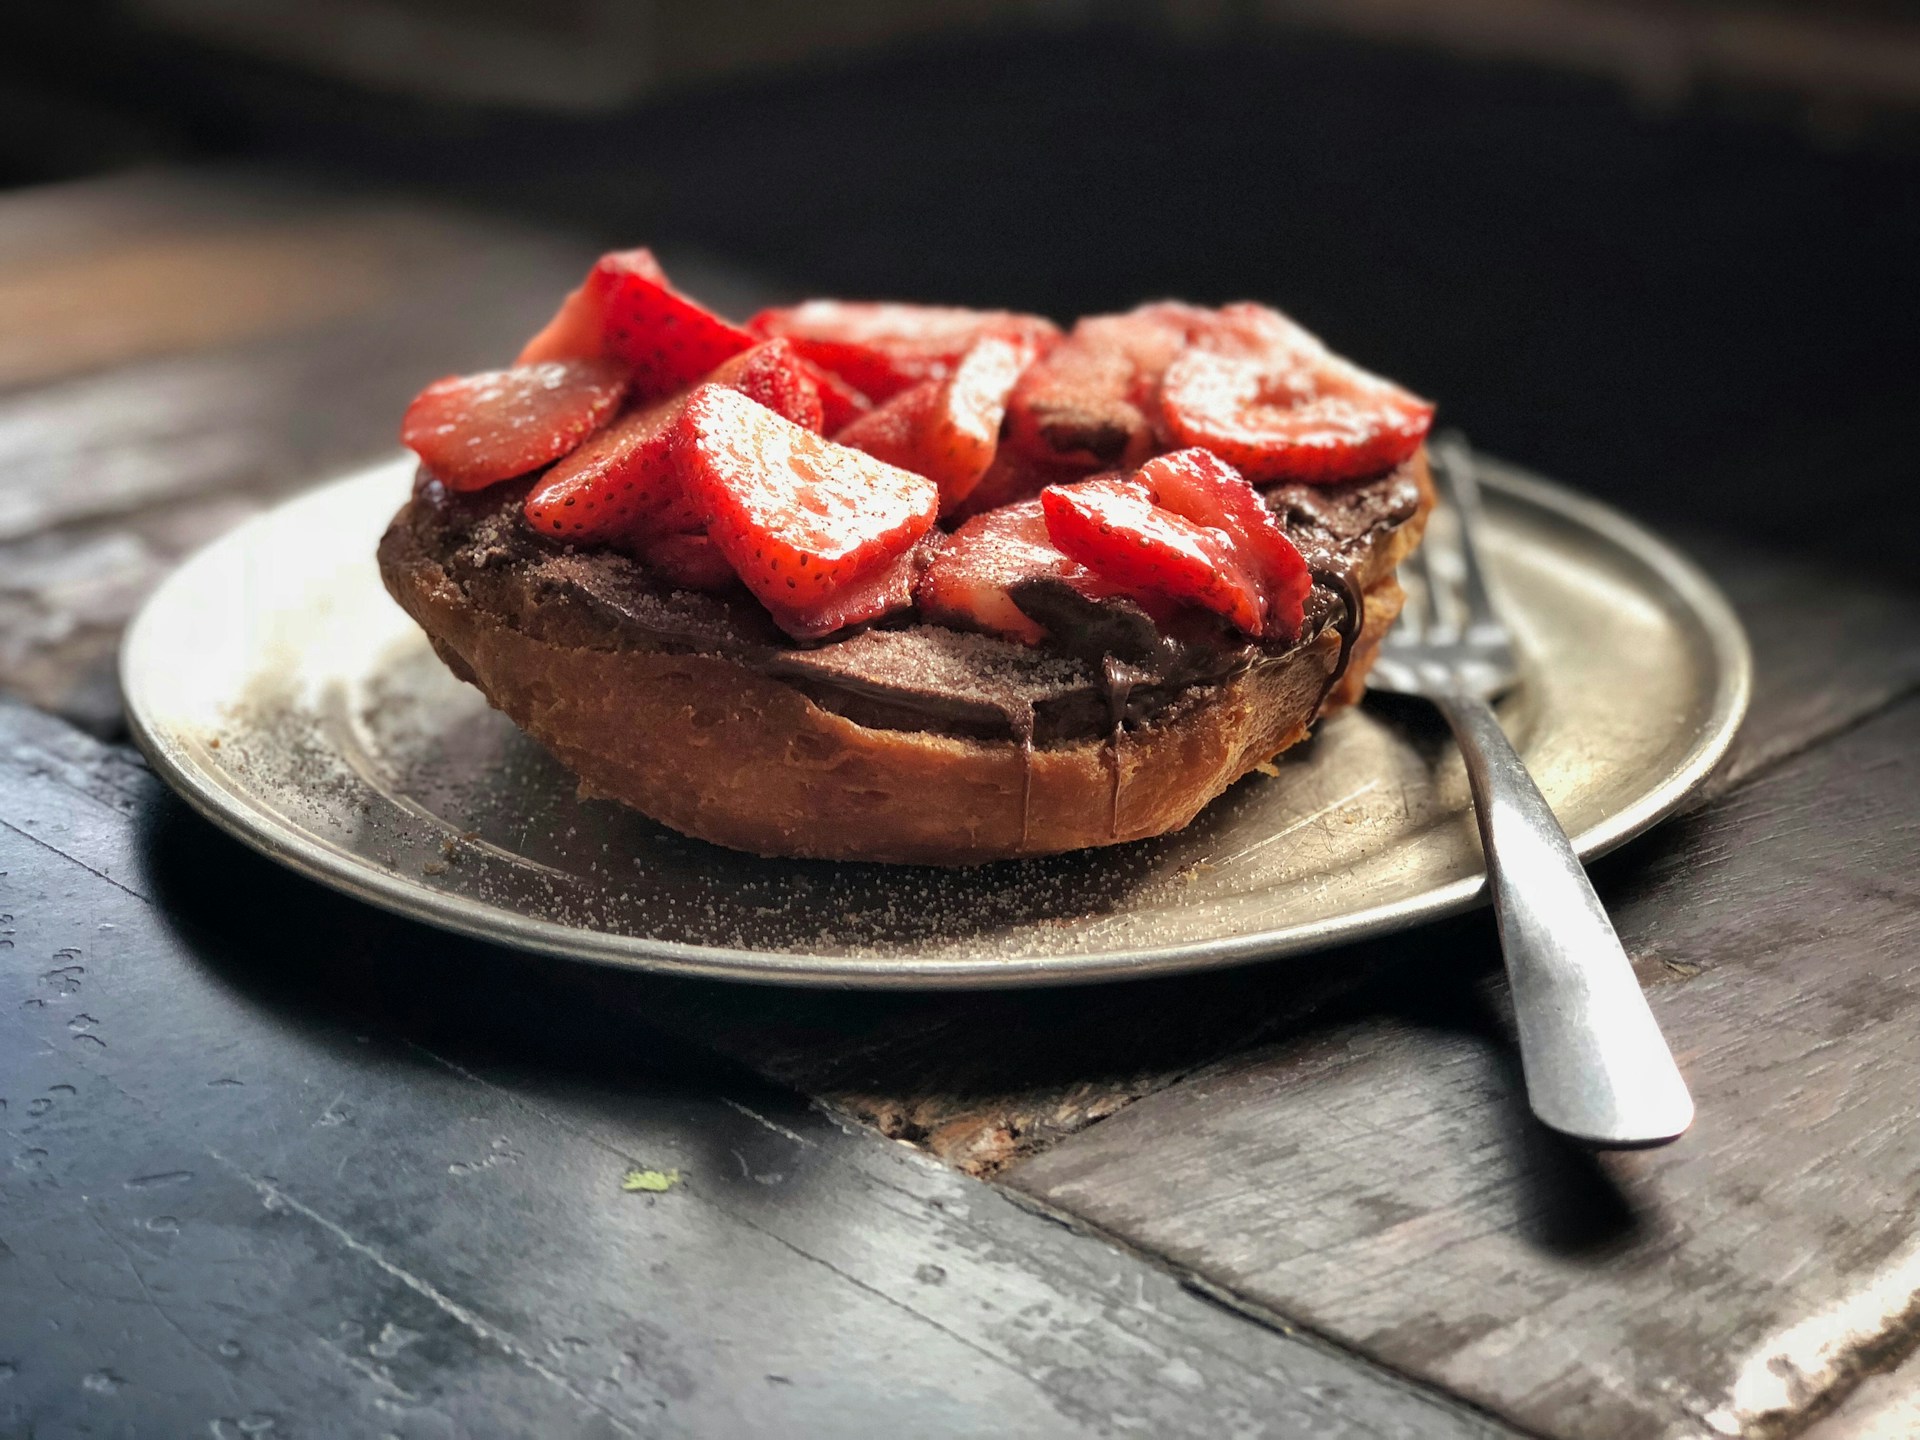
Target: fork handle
1597,1066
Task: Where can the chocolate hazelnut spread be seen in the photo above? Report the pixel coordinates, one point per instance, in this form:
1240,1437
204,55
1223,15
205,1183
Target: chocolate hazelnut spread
1110,668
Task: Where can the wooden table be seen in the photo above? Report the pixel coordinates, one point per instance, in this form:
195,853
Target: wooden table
277,1164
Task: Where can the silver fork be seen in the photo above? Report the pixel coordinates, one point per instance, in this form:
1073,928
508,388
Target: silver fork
1597,1067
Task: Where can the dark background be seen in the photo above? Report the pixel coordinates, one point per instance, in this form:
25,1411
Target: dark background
1684,279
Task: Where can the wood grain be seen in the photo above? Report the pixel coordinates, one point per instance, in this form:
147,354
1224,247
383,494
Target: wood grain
1375,1176
1829,648
278,1161
73,218
1885,1406
74,314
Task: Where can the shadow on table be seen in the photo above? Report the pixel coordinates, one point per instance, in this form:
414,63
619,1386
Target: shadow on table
982,1079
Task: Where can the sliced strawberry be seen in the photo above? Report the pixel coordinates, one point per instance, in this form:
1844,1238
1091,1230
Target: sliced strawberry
1199,486
1188,526
474,430
1013,476
840,403
893,430
627,311
1268,397
883,591
798,516
619,484
970,583
666,339
1113,527
773,373
883,348
622,484
573,333
688,561
578,328
1093,399
947,429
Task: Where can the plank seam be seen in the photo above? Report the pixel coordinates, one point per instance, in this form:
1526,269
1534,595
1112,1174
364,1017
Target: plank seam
477,1324
274,1197
74,860
750,1223
1265,1317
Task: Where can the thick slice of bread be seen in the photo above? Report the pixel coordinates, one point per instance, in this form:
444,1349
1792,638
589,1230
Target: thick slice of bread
720,750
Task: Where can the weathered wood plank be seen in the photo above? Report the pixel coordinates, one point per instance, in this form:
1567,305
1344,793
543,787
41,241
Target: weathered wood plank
258,338
273,413
1829,649
983,1079
154,295
42,222
100,273
1885,1406
276,1158
1375,1175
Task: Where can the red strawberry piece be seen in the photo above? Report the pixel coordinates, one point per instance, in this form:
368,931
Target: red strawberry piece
577,330
892,430
622,484
1093,400
775,375
688,562
1013,476
665,339
797,516
572,334
881,592
1199,486
947,429
1113,527
882,348
1267,396
840,403
474,430
970,583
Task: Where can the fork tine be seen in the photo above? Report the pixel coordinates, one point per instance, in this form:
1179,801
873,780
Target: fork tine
1456,480
1420,614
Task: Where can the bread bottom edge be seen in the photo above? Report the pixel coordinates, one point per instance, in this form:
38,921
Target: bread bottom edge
724,754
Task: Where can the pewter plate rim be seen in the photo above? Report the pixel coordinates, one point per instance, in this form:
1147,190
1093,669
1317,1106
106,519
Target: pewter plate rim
1729,677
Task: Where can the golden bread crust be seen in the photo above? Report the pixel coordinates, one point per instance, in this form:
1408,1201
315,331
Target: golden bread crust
719,751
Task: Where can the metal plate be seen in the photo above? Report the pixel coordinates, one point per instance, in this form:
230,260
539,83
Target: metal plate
277,687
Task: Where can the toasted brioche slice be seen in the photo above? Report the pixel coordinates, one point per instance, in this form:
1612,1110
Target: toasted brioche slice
721,750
